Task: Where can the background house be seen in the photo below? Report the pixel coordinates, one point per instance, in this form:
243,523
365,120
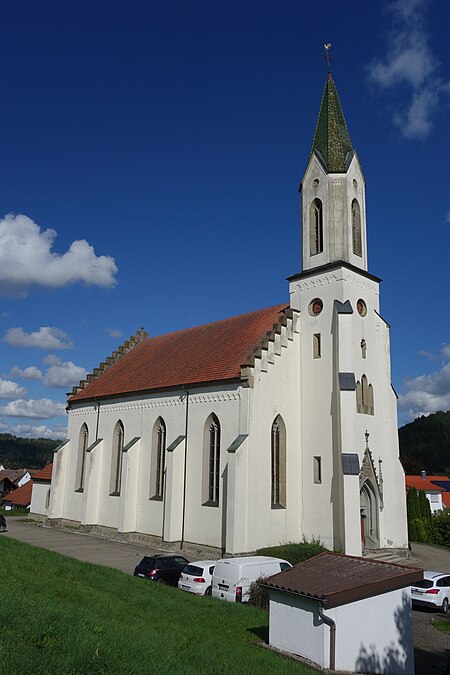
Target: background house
20,498
433,490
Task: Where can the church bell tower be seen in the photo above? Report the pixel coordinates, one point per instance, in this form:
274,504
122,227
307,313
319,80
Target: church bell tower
344,354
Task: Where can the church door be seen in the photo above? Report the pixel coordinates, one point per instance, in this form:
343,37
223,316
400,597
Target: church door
369,517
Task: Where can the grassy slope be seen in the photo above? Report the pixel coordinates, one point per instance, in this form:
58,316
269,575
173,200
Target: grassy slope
59,615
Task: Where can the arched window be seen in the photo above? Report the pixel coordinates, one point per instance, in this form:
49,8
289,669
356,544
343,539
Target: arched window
315,227
211,461
83,442
47,499
364,397
356,228
116,459
278,452
158,462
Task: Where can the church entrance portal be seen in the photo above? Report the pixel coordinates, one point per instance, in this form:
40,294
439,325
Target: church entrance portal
369,517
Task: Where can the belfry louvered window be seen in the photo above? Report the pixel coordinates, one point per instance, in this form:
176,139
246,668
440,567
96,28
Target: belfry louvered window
364,397
356,228
316,227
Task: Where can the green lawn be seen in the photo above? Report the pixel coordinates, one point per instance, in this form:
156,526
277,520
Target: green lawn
442,625
59,615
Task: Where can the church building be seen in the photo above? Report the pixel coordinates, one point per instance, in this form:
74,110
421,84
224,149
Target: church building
259,429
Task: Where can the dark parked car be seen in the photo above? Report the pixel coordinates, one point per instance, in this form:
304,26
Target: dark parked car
163,568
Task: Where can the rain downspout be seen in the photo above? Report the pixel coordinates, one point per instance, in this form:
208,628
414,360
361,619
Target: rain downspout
329,621
185,466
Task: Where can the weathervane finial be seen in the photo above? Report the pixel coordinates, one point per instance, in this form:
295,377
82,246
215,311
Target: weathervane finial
327,57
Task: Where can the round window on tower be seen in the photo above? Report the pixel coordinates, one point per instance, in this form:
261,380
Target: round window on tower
355,183
315,182
361,307
315,306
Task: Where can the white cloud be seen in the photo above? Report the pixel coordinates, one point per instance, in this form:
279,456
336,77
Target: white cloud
40,409
39,431
29,373
64,374
27,259
9,389
427,394
114,332
51,360
47,337
409,61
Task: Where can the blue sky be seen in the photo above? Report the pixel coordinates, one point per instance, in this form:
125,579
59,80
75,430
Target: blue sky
152,154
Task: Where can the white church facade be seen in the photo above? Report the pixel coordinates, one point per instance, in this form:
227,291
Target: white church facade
263,428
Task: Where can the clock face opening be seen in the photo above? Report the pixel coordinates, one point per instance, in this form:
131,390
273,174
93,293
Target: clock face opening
315,306
361,307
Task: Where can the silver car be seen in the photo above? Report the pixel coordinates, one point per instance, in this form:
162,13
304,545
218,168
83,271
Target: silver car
432,591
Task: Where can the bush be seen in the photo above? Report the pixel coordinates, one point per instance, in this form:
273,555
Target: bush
441,528
294,553
258,595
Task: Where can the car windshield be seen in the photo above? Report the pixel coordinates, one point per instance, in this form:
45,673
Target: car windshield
193,571
423,583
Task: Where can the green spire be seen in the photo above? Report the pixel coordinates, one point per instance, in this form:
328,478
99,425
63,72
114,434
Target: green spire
331,138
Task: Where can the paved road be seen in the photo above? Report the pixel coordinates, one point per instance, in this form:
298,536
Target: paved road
431,648
123,557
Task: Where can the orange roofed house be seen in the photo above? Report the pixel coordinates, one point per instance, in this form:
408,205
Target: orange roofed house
262,428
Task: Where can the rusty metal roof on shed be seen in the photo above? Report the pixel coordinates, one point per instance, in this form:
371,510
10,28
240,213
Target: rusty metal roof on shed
335,579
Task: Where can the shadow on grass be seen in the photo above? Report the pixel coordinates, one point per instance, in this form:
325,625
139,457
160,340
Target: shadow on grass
261,632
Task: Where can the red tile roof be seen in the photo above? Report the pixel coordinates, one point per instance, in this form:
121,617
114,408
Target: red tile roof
21,496
214,351
44,474
422,484
446,499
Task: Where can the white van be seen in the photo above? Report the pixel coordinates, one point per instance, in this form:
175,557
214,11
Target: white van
232,576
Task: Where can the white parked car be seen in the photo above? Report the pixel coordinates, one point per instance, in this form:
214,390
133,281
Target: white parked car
432,591
233,576
197,577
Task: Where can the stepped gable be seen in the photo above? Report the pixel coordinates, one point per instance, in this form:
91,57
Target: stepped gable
208,353
134,340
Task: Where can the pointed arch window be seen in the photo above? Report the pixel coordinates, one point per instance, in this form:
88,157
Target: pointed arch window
211,461
278,463
83,442
316,227
356,228
364,397
116,459
158,462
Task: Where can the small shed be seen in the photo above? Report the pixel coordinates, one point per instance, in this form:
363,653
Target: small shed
40,497
345,613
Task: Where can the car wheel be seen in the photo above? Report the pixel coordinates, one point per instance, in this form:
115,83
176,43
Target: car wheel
444,607
208,590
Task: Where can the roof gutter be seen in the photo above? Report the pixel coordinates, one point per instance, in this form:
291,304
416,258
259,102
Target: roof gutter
329,621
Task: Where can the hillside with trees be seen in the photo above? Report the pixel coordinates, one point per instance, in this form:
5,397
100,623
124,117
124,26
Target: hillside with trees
425,444
29,453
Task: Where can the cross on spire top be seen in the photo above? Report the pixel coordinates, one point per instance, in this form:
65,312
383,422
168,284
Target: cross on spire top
327,57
